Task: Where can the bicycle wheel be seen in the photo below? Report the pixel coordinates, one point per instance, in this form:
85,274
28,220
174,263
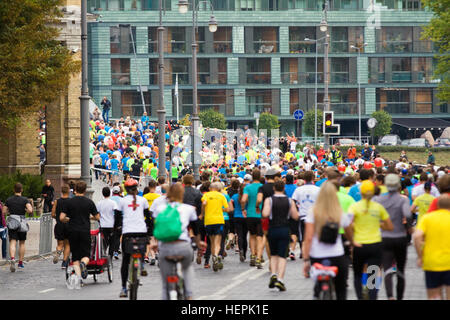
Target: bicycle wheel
180,289
110,270
325,292
134,281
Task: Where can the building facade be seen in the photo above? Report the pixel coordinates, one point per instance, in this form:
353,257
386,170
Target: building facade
259,61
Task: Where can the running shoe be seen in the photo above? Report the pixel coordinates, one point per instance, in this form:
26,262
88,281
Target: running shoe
144,272
273,280
64,264
123,293
280,285
116,255
259,264
252,261
262,260
199,258
56,257
241,256
153,262
228,247
84,272
215,264
206,266
20,266
292,256
12,266
220,263
225,253
146,260
236,250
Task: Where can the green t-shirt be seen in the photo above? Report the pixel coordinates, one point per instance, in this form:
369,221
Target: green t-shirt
91,151
252,191
130,163
134,148
345,201
299,154
145,164
154,172
174,173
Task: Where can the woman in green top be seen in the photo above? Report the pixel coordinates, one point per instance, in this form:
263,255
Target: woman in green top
368,218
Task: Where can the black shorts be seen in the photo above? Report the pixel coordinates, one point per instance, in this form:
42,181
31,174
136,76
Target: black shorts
214,229
435,279
16,235
293,227
254,226
80,244
278,241
61,231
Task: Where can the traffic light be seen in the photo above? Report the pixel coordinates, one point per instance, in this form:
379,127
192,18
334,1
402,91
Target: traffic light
328,124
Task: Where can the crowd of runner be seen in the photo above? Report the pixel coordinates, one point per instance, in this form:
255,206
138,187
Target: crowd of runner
353,210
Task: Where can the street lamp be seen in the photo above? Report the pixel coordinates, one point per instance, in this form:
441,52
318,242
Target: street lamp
324,28
359,89
212,25
315,90
161,108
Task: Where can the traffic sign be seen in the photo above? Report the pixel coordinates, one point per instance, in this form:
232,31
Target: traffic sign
298,114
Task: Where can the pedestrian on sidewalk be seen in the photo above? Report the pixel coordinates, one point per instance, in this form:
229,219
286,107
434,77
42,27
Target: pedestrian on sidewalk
279,208
3,231
16,206
48,192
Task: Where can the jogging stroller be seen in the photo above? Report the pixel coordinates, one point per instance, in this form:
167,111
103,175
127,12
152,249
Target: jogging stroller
99,261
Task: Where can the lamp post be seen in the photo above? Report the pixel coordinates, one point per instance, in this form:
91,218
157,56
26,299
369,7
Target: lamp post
315,88
84,102
359,90
183,6
324,28
161,108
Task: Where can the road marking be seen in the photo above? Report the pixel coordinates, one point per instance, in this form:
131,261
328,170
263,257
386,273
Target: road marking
48,290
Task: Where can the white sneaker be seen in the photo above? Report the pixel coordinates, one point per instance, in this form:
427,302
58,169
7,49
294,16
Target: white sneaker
12,266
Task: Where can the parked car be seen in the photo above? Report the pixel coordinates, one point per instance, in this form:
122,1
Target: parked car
390,140
420,142
348,142
405,142
442,143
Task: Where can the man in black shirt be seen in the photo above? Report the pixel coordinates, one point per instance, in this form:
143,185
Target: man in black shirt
61,229
18,206
48,192
77,213
193,197
136,169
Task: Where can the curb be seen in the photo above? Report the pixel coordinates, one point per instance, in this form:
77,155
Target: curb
27,259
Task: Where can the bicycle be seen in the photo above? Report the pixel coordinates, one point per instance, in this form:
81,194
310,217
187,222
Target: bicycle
324,283
175,281
135,247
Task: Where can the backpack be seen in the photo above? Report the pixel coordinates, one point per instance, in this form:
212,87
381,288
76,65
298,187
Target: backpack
168,224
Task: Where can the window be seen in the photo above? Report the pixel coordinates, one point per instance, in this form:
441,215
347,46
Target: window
152,39
171,68
223,40
394,101
129,104
394,39
313,5
339,39
339,70
262,100
174,38
401,69
297,36
356,38
220,100
423,70
346,5
309,76
120,71
412,5
261,39
258,70
289,70
424,101
121,40
390,4
223,5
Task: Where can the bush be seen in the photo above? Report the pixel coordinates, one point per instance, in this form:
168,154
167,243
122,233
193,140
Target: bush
398,149
32,185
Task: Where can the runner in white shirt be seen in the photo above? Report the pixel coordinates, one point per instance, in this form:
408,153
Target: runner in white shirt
305,196
106,209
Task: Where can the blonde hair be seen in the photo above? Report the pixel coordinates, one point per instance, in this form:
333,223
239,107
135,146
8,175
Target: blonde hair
326,208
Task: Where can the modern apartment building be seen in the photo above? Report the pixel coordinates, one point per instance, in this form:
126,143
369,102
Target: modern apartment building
258,60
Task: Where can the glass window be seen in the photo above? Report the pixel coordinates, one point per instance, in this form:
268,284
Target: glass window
220,100
390,4
258,70
339,39
394,101
120,71
176,40
259,100
265,39
424,101
289,70
395,39
223,40
121,40
129,104
412,5
154,5
152,39
401,69
339,70
171,68
297,36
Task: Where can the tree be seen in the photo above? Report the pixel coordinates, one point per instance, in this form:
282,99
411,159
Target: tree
268,121
309,120
35,68
384,123
185,121
213,119
438,31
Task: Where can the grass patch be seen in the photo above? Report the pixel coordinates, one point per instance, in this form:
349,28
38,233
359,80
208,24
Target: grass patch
442,158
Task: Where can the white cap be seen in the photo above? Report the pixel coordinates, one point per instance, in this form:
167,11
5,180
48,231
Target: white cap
116,189
248,177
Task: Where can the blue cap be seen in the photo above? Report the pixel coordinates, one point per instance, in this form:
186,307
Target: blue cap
405,171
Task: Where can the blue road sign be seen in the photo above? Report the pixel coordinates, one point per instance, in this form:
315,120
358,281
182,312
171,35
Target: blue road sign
298,114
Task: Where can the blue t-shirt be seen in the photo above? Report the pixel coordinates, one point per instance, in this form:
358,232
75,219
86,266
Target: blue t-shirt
355,192
289,189
319,183
242,174
241,159
124,163
104,157
237,206
114,164
100,137
225,214
252,191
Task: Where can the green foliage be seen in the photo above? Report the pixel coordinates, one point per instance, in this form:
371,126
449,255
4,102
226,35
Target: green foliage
309,120
35,68
185,121
32,185
213,119
384,123
438,31
268,121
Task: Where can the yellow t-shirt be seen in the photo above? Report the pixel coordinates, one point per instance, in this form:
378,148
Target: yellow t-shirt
423,202
288,156
367,223
436,251
215,201
150,197
383,189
